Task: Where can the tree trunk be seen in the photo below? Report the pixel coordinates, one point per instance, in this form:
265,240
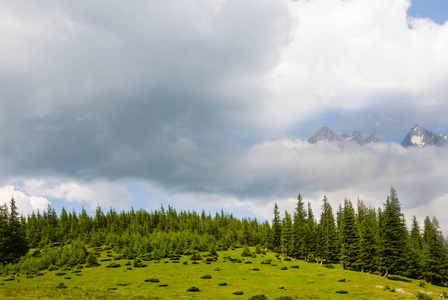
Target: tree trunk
362,269
343,266
387,273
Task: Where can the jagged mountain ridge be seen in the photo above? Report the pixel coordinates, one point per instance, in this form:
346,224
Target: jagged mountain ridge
420,137
327,135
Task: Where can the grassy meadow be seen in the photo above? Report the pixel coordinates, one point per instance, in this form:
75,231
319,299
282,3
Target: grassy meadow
231,273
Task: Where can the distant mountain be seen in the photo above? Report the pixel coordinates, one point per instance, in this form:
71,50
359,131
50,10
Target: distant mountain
420,137
327,135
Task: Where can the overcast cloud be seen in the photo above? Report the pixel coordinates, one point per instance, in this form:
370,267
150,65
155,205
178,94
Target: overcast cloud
211,103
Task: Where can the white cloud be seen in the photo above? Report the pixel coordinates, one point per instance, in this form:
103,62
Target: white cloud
26,204
354,55
103,193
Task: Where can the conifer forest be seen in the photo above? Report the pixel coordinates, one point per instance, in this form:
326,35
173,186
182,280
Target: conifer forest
358,237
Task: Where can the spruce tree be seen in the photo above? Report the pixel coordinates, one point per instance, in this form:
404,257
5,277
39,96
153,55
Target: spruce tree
276,232
310,237
299,229
349,236
368,228
434,261
286,239
329,236
414,266
393,237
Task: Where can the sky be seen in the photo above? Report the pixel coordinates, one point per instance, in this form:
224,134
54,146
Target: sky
208,104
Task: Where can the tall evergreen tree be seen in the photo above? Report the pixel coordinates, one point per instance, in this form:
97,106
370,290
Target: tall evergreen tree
349,236
414,267
310,237
15,238
299,229
276,232
434,261
287,234
368,228
393,237
329,236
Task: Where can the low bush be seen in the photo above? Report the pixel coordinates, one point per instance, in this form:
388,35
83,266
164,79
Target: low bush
60,273
238,293
67,278
423,296
287,259
284,268
295,267
341,292
106,259
206,277
222,284
258,297
113,265
52,268
284,298
152,280
255,269
162,285
341,280
193,289
9,279
61,286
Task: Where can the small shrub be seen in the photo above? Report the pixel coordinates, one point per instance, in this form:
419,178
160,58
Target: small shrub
423,296
248,262
60,273
118,257
193,289
113,265
246,252
106,259
258,297
195,263
30,276
61,286
129,269
266,262
206,277
329,266
254,255
185,263
284,268
255,269
67,278
76,271
175,261
123,284
284,298
341,292
295,267
217,269
287,259
196,256
281,288
10,278
342,280
40,274
78,267
222,284
52,268
66,269
162,285
238,293
152,280
422,284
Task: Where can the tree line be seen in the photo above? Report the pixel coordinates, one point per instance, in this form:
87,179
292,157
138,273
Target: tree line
364,239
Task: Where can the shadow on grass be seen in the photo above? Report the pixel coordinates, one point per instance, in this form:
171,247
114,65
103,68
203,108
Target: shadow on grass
396,278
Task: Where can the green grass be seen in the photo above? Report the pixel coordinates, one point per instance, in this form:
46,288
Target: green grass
309,281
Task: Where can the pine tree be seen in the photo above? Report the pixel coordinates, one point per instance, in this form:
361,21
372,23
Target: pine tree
310,237
3,232
349,236
434,261
15,238
414,267
393,237
276,232
299,229
368,228
329,237
287,234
